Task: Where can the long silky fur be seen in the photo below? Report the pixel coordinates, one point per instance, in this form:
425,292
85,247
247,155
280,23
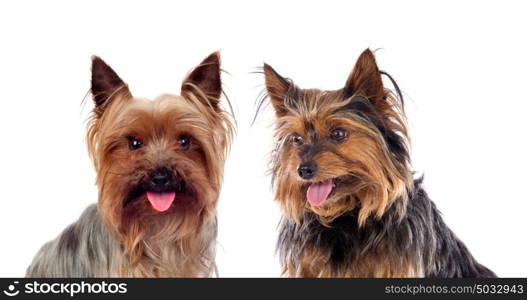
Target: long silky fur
86,249
383,224
419,245
107,241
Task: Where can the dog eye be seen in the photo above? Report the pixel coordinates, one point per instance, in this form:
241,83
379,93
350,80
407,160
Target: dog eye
134,143
338,135
297,139
184,142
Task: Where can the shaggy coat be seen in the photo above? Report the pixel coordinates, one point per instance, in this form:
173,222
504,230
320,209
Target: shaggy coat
341,173
159,171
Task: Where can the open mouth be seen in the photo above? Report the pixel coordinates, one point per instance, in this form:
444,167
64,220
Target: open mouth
319,192
160,199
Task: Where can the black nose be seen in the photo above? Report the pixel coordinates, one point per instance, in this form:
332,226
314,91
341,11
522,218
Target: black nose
307,170
160,177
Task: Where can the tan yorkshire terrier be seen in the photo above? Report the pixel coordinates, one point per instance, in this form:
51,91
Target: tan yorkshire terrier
159,171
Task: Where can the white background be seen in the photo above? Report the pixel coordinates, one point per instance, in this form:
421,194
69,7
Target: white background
461,65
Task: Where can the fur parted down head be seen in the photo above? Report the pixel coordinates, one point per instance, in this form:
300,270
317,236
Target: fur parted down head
339,150
159,163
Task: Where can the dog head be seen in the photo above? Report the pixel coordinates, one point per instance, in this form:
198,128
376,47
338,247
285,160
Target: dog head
159,163
339,150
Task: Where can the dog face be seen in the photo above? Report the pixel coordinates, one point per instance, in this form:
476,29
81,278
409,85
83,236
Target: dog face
338,150
159,163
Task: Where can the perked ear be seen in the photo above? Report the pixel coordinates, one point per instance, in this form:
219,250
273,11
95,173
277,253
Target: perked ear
277,89
105,83
205,78
365,79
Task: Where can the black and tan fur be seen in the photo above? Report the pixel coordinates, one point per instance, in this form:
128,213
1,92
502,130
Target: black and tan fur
377,221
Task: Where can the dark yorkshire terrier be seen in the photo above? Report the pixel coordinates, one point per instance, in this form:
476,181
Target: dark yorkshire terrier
341,172
159,171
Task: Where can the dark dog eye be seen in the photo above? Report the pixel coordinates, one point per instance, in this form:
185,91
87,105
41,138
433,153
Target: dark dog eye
338,135
184,141
134,143
297,139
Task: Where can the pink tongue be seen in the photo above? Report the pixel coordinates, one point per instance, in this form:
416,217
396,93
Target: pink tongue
318,192
161,201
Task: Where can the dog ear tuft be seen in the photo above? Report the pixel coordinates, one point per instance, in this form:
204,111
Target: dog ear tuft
365,79
105,83
206,77
277,89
